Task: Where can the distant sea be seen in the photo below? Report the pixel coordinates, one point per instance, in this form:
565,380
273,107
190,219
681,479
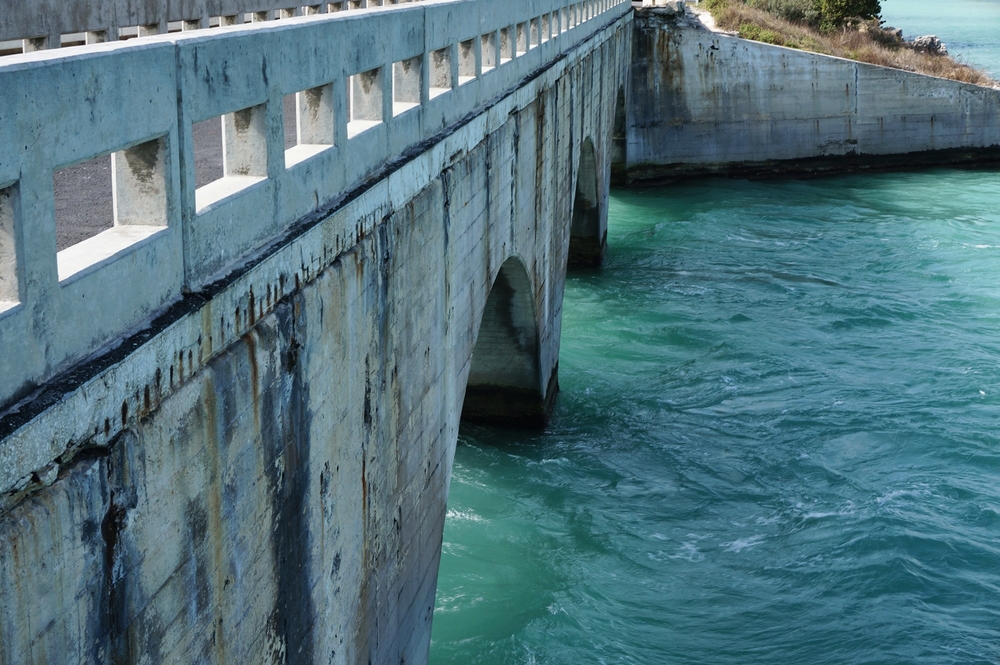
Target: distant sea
970,28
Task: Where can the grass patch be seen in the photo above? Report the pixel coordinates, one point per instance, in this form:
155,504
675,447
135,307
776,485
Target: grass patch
800,24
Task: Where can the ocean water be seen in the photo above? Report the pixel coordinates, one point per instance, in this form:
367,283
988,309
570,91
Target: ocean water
969,28
776,442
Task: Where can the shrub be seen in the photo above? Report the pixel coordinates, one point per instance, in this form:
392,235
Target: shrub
759,34
828,14
835,13
797,11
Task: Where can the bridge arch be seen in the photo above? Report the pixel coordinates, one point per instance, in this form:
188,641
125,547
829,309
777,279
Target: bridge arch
586,237
505,385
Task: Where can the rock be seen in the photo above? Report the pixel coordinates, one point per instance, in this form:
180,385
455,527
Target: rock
930,44
894,33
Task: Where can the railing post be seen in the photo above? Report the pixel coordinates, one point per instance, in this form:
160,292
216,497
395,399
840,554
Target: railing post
139,184
244,142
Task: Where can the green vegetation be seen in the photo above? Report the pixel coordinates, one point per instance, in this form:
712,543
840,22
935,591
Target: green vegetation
834,13
825,14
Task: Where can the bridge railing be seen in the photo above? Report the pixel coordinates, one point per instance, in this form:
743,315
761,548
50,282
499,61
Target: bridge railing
36,25
358,90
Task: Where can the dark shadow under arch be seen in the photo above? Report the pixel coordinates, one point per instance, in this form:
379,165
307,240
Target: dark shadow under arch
586,239
505,385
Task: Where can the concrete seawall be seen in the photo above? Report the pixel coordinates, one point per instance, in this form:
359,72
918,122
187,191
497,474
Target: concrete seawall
703,102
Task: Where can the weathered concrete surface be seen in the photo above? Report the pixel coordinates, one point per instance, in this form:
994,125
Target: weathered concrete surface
703,102
173,233
43,23
261,476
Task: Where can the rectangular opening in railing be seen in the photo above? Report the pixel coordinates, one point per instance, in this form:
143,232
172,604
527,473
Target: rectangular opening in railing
507,45
32,44
230,155
406,81
83,201
309,123
466,61
522,38
365,100
225,21
83,38
133,31
440,74
9,291
107,204
489,51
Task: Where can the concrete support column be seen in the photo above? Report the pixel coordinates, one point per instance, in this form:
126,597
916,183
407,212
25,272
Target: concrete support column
315,115
588,236
33,44
139,184
244,142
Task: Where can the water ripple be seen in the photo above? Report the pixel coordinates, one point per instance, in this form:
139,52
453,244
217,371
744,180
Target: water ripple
776,440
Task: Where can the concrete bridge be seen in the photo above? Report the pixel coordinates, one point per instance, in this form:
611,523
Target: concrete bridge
228,416
257,263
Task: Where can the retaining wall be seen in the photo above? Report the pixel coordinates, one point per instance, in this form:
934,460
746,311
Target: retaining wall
703,102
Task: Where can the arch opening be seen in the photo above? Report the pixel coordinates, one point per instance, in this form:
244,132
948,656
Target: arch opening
587,239
505,384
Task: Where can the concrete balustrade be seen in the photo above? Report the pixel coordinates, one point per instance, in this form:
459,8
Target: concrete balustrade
369,88
117,99
47,24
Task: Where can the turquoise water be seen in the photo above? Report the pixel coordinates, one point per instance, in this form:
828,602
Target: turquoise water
970,28
776,440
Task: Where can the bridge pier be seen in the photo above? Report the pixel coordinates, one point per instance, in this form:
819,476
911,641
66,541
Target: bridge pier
589,227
